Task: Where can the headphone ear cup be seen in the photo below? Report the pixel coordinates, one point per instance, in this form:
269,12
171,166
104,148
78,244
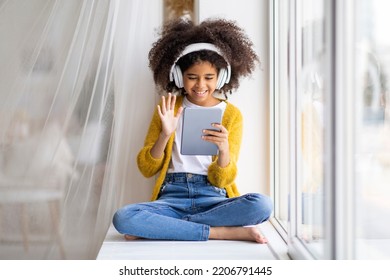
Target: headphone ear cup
222,75
178,76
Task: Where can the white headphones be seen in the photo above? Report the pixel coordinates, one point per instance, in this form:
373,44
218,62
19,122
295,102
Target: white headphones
177,76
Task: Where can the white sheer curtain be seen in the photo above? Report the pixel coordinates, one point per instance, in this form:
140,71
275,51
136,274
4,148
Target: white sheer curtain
69,101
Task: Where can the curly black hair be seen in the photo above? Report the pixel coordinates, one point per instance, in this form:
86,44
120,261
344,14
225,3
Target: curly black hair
225,34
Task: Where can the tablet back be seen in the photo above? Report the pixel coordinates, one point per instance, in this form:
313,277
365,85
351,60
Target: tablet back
195,120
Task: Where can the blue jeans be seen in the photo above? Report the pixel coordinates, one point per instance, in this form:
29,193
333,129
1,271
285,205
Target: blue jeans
186,208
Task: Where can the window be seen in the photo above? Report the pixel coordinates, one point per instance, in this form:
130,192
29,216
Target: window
330,127
298,107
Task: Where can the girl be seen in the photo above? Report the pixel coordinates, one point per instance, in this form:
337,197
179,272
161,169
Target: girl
195,197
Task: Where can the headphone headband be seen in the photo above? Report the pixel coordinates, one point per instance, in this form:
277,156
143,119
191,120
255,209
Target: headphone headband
199,47
173,76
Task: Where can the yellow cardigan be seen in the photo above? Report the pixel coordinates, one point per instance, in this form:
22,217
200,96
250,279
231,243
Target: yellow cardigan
217,176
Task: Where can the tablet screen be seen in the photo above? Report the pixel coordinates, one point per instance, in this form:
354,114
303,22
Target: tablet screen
195,120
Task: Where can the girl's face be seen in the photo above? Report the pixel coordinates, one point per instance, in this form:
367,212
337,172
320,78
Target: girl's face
200,81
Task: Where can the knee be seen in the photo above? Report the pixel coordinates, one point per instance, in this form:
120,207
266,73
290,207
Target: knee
122,219
263,205
118,220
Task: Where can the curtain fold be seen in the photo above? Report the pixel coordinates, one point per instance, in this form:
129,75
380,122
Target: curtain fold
67,108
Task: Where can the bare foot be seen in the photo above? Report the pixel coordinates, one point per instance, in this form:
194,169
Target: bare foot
131,237
237,233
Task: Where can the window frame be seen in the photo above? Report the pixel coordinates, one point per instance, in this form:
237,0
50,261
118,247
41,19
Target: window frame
337,144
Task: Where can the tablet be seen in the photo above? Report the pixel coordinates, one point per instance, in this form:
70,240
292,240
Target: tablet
195,120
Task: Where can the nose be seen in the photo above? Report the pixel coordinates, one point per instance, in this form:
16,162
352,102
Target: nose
200,83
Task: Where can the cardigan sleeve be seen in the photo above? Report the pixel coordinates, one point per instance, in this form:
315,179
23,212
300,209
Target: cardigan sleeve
223,176
147,164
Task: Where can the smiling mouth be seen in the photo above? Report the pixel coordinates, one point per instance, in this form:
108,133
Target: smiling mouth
200,93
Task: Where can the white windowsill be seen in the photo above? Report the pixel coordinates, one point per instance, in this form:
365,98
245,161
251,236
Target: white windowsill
115,247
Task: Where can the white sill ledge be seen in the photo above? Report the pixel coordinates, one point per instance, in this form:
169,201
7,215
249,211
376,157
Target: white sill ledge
115,247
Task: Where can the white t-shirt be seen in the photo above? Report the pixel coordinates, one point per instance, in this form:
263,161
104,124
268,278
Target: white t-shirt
184,163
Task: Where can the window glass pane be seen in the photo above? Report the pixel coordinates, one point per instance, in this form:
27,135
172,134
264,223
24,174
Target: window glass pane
310,124
372,129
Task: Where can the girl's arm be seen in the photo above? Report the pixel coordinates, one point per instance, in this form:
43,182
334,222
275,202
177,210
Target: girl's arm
223,170
221,139
147,164
169,120
151,157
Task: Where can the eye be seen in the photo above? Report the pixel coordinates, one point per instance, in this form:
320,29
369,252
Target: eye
191,77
